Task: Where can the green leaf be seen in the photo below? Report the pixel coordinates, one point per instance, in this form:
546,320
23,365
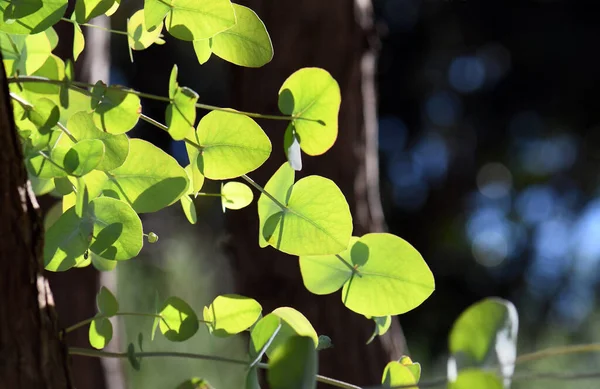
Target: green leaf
252,379
30,16
262,335
231,314
293,365
179,322
149,180
118,231
396,374
232,145
316,219
107,302
41,186
100,333
485,336
82,158
196,178
326,274
382,325
181,113
102,264
414,367
235,195
279,187
292,323
78,41
24,54
245,44
135,362
52,37
194,383
94,182
115,111
394,278
311,93
138,35
474,378
41,163
88,9
189,209
81,126
202,50
191,19
82,200
66,241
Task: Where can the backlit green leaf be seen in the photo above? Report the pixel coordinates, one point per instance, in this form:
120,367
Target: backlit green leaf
30,16
311,93
232,145
78,41
24,53
396,374
231,314
189,209
293,365
245,44
393,277
292,323
191,19
102,264
414,367
382,325
115,111
181,113
235,195
149,180
262,334
316,219
116,147
279,187
202,50
88,9
100,332
179,322
137,33
107,302
474,378
66,241
83,157
196,178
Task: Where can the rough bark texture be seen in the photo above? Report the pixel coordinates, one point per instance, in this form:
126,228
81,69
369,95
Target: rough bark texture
337,36
32,355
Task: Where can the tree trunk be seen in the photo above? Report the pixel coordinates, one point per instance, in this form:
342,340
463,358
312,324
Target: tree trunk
337,36
32,353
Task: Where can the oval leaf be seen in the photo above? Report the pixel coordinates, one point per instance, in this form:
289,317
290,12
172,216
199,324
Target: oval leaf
393,277
292,323
83,157
293,365
396,374
245,44
100,333
149,180
178,320
232,145
231,314
311,93
235,195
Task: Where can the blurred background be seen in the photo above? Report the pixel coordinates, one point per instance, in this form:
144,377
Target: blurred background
489,153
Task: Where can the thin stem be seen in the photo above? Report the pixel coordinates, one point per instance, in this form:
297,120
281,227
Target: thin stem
158,124
352,268
25,104
66,131
95,26
263,191
323,379
105,354
557,351
163,99
209,194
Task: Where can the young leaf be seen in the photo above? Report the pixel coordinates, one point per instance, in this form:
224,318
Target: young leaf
115,111
485,335
232,145
414,367
30,17
179,321
191,19
279,187
235,195
100,333
78,41
107,302
181,113
311,93
139,37
116,147
293,364
393,277
149,180
245,44
382,325
189,209
315,221
396,374
231,314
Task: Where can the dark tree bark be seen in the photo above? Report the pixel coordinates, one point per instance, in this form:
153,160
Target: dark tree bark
32,353
337,36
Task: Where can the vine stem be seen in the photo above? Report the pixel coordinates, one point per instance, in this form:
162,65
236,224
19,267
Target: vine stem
25,79
263,191
95,26
558,351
